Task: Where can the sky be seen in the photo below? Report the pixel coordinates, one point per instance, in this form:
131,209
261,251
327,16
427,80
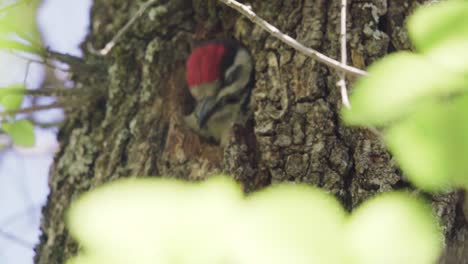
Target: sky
24,172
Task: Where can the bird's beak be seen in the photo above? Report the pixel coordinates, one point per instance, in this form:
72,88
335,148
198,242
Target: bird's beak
204,112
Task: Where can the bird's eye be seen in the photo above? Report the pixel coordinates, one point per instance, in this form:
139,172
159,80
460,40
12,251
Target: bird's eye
231,75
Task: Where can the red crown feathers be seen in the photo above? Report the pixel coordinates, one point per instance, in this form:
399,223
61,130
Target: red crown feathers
203,65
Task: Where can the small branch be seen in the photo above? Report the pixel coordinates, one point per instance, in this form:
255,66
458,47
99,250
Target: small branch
32,109
63,57
247,12
41,61
108,47
344,92
45,53
342,82
57,92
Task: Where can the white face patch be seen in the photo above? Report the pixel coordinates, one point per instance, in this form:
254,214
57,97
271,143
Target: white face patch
203,90
238,74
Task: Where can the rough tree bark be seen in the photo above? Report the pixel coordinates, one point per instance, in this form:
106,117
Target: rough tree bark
133,125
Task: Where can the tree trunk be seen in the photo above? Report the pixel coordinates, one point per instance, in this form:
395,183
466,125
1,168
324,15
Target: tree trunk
133,126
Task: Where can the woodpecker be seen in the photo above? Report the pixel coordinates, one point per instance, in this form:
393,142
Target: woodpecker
220,77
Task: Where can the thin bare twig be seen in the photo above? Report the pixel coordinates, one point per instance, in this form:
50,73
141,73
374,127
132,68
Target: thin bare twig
247,12
342,82
43,52
57,92
66,58
42,61
32,109
108,47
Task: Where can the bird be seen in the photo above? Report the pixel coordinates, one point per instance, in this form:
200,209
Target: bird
220,76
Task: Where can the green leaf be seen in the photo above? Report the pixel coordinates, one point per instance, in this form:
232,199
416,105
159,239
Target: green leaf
21,21
147,217
431,145
12,44
18,27
393,228
441,32
21,132
452,56
14,88
11,102
12,96
156,220
432,26
395,85
86,258
162,221
309,219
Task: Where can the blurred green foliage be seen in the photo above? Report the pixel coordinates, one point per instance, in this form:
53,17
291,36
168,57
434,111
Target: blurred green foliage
18,26
432,144
11,97
18,33
21,132
155,220
421,98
